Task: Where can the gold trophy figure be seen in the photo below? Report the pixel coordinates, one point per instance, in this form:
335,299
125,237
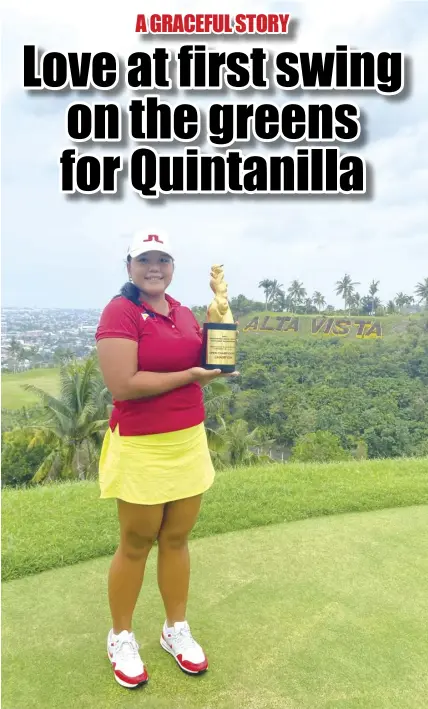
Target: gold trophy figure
220,330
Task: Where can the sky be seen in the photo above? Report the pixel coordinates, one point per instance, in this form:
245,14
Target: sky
59,251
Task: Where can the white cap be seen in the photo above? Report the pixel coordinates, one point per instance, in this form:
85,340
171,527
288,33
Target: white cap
144,241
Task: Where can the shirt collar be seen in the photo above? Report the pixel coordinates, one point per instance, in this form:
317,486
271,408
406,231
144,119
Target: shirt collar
173,303
170,300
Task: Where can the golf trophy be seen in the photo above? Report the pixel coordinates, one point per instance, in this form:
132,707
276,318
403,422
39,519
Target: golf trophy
220,330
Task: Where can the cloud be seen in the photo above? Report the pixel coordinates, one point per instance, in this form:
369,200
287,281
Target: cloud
61,251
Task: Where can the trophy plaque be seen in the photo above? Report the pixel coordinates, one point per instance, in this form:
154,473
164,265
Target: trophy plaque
220,330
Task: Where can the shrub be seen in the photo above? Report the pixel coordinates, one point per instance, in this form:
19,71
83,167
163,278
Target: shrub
320,447
19,462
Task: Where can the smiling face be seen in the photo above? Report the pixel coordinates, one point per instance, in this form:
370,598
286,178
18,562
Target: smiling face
151,272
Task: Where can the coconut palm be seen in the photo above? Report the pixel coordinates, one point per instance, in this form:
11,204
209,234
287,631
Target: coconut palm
279,301
354,302
308,305
217,395
234,442
297,294
319,300
370,304
373,289
402,300
276,295
391,307
288,304
266,284
346,287
421,291
73,423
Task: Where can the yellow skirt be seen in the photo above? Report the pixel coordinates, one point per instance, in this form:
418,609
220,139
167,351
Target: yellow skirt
155,469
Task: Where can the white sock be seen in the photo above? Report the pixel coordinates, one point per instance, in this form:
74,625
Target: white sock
172,628
115,636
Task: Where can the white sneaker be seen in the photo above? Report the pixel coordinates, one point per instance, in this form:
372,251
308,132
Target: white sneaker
123,654
178,641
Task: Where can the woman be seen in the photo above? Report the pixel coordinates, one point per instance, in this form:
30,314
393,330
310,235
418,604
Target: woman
155,459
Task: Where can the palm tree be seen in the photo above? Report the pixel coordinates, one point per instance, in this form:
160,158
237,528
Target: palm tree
233,444
319,300
308,305
217,395
297,294
276,288
402,300
72,424
288,304
373,289
279,301
421,291
370,304
345,287
390,307
354,302
266,284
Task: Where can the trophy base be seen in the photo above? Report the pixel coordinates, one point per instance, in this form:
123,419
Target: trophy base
225,368
219,346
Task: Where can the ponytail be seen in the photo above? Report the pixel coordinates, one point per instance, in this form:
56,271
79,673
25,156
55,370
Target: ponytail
131,292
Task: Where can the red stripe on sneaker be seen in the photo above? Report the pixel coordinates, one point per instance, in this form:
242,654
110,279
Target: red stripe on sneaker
192,667
132,680
169,644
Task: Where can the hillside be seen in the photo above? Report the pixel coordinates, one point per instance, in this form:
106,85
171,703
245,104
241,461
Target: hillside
355,327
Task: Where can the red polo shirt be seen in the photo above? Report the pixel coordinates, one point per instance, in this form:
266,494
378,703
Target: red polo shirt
170,343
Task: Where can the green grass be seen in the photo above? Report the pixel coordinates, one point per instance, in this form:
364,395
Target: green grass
15,397
58,525
320,614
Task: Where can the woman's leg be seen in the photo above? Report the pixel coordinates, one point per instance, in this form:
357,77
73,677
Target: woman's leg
173,556
139,528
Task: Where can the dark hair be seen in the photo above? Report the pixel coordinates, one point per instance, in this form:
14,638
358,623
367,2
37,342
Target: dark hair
131,292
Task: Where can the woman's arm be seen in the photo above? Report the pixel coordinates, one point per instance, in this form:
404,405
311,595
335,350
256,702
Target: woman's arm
118,360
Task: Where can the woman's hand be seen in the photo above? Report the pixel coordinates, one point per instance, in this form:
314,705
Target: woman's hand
205,376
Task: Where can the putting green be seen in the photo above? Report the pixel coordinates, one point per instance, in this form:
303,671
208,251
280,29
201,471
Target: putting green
327,613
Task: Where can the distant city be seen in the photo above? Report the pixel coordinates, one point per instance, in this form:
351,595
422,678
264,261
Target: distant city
33,338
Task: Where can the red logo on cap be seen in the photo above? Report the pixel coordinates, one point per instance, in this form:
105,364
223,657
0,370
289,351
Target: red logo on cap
153,237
